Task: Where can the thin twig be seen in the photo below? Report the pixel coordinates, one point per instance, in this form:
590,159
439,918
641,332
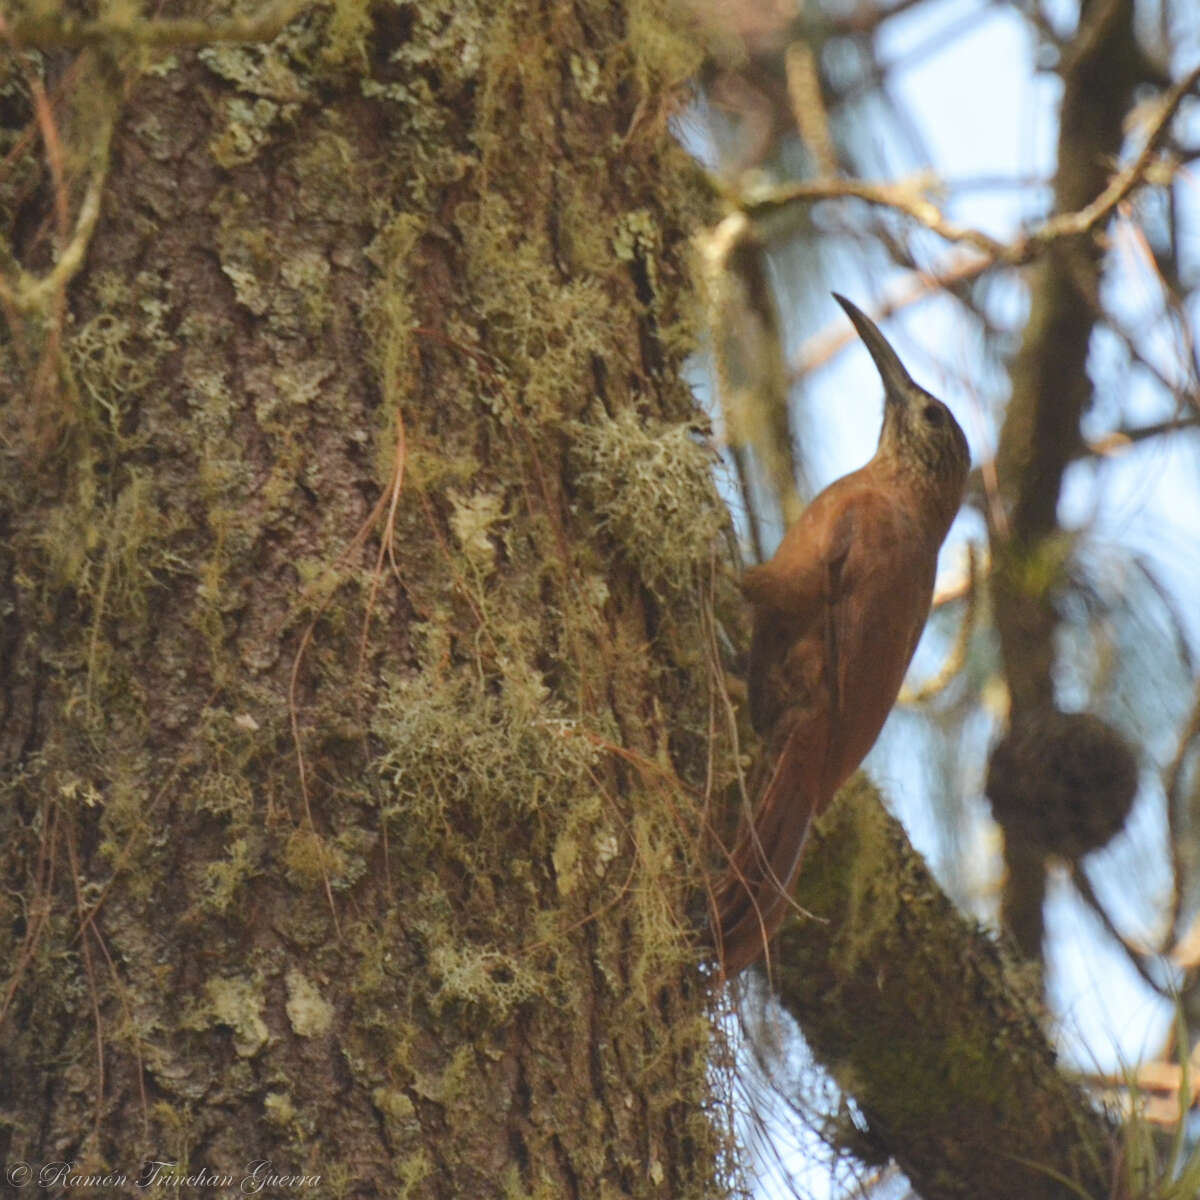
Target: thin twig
1121,439
1121,184
40,907
910,196
90,971
907,196
60,31
27,293
1137,957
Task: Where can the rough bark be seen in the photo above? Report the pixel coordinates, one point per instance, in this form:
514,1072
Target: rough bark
355,604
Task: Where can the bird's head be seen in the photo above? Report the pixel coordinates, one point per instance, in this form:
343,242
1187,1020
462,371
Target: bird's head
919,431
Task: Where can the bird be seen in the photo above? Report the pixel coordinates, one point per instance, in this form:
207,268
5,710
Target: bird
837,613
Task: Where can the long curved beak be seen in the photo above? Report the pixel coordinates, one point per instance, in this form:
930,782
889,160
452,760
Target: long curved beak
896,380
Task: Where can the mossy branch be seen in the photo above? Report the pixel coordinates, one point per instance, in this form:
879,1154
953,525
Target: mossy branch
926,1021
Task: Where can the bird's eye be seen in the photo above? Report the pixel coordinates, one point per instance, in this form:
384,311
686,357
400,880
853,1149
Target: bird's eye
934,414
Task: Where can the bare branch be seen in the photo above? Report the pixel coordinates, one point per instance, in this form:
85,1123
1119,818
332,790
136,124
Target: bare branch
808,108
751,373
61,31
1121,439
911,196
905,196
1121,184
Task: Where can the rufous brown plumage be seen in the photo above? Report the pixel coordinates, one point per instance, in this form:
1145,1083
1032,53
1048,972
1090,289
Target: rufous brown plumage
838,612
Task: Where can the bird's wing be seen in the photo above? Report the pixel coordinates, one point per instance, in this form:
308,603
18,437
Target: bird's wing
878,587
790,585
790,596
835,616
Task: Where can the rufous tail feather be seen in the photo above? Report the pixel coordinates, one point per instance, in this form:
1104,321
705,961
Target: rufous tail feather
754,895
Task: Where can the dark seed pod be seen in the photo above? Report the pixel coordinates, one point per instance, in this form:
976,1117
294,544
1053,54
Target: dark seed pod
1062,782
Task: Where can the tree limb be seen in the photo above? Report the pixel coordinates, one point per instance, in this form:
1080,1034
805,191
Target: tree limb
927,1022
1050,385
912,196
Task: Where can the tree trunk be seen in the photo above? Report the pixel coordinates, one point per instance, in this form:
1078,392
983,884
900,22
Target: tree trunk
355,598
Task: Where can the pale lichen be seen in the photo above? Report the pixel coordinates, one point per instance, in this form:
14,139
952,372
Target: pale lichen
238,1003
649,485
309,1012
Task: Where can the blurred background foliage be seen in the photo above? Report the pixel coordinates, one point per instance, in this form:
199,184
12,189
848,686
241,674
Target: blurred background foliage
1009,188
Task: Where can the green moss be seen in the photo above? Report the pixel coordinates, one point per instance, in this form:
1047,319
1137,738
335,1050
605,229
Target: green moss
250,257
330,175
495,756
347,34
490,981
265,70
224,880
311,861
250,125
394,1105
665,48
